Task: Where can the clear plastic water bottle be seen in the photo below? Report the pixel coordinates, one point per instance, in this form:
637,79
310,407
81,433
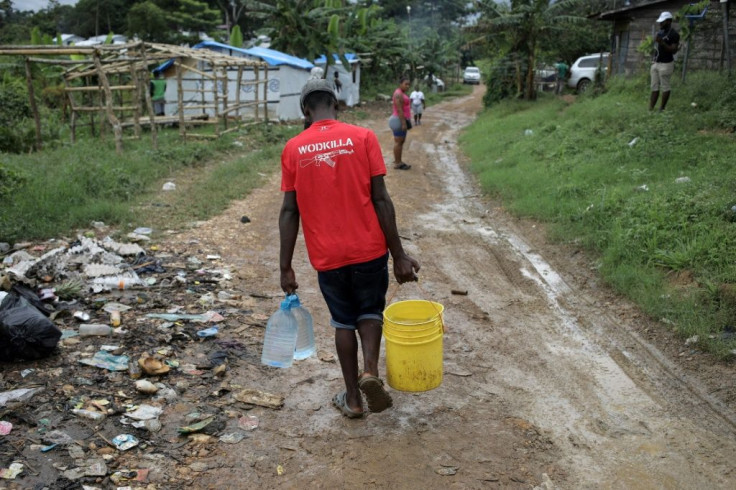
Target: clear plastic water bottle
279,341
305,332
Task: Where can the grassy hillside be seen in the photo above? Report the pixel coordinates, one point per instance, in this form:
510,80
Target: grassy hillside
653,194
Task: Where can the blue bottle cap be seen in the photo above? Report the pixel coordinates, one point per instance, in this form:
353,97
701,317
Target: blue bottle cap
286,304
294,299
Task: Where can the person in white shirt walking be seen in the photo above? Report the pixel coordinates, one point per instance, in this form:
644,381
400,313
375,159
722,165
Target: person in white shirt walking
417,105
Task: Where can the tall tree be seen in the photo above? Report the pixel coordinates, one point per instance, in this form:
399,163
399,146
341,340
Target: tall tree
148,22
527,26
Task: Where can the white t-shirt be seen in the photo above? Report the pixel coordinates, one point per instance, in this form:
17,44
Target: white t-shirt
417,97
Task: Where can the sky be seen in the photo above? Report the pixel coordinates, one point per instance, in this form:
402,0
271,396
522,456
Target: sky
36,5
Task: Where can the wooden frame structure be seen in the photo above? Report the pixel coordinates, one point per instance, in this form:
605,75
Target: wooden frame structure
112,82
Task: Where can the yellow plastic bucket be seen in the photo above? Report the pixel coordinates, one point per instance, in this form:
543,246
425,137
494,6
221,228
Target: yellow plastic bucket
413,316
413,331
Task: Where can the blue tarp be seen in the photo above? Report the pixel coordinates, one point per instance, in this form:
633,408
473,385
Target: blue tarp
348,56
270,56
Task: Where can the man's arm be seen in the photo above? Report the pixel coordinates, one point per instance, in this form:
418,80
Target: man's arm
288,230
405,267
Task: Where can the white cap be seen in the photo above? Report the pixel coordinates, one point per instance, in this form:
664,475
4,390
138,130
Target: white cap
664,16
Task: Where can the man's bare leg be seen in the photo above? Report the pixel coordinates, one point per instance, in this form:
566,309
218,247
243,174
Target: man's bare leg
346,344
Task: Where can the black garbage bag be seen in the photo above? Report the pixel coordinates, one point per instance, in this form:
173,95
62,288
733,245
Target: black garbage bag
25,331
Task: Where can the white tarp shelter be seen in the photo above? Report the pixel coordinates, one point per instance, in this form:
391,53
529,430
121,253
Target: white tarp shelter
349,78
286,76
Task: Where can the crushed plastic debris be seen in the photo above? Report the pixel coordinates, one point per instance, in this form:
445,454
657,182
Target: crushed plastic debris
207,332
124,476
11,472
5,428
196,427
125,441
145,412
232,438
57,438
105,360
89,414
21,394
210,316
81,316
248,422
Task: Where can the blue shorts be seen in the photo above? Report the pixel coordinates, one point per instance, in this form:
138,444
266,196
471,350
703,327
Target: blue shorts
355,292
394,123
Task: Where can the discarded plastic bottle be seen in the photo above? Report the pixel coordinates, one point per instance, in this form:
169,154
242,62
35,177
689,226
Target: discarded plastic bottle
280,338
134,370
305,329
115,319
115,282
88,414
91,329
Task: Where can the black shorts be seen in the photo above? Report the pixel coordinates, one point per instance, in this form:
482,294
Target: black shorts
355,292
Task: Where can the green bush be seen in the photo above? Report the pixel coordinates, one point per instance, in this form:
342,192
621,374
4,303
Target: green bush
10,181
15,111
500,82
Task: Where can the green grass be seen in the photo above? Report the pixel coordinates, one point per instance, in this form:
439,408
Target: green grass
68,187
667,245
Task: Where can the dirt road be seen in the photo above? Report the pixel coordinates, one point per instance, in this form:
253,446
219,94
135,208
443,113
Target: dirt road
549,380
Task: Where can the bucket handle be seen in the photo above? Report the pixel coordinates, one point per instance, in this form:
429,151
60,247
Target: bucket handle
424,294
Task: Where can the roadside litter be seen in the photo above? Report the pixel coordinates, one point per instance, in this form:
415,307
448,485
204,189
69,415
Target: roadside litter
112,349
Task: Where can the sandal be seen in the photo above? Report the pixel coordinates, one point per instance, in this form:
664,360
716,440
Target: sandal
340,402
403,166
376,395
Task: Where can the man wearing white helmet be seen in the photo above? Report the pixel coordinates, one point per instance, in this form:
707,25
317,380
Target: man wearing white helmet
666,44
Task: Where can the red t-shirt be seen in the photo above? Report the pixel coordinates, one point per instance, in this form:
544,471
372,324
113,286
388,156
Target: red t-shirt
330,166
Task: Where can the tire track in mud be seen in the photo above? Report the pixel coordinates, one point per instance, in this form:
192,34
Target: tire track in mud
539,387
566,360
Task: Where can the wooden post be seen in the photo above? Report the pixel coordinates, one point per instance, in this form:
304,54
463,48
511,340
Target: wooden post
180,97
265,95
217,105
225,88
73,119
34,107
149,101
257,86
88,81
237,93
114,122
137,100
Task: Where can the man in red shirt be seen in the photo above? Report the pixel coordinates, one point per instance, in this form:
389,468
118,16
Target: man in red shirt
332,178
